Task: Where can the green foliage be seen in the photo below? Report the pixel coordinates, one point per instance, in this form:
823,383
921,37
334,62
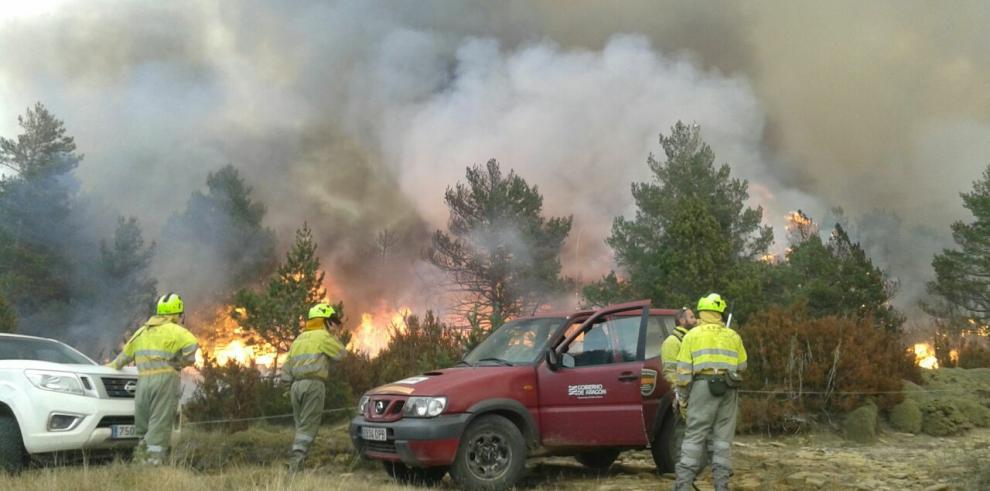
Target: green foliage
499,250
35,203
692,233
8,318
962,274
123,291
977,414
860,425
221,231
942,417
906,416
276,314
233,391
424,345
834,278
973,355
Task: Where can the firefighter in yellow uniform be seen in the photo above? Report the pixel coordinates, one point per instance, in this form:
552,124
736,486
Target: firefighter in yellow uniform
708,366
671,347
160,349
307,366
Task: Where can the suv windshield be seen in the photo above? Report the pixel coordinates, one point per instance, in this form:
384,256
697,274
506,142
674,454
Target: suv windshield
14,348
518,342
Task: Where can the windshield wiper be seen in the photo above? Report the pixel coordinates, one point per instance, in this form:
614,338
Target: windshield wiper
497,360
463,363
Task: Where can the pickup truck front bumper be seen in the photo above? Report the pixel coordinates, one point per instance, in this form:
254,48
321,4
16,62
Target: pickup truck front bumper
416,442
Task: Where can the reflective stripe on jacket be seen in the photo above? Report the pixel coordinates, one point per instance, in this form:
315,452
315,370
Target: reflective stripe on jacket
669,350
709,347
160,346
310,354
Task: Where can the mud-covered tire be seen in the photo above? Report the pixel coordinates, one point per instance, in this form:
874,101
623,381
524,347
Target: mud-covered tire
491,455
414,476
598,459
12,454
664,447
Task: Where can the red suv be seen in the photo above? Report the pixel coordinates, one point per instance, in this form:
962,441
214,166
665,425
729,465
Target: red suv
586,384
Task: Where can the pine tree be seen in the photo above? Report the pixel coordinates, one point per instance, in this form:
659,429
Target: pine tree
692,233
500,253
127,291
276,314
35,202
962,274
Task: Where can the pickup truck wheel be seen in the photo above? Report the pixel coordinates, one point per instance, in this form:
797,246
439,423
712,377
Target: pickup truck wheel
414,476
491,456
664,447
11,445
598,459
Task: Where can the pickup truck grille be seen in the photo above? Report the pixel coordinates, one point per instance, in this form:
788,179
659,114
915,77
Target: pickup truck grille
380,447
120,387
109,421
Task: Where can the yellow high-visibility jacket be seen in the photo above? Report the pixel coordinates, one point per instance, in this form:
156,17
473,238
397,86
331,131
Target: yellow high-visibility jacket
159,346
669,350
311,353
709,348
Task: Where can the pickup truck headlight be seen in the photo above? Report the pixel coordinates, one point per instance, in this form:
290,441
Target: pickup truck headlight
55,381
424,407
363,404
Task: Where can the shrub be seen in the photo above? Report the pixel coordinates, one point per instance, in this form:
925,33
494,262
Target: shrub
766,414
233,391
906,416
861,424
425,344
942,417
977,414
972,355
827,356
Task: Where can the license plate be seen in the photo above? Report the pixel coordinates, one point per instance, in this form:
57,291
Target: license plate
374,434
122,431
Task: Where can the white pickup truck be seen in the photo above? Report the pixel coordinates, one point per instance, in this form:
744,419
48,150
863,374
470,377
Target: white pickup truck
55,399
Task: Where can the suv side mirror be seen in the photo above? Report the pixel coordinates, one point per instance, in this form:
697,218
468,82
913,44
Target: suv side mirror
552,361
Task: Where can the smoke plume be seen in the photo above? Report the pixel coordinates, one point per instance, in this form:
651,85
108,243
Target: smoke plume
354,116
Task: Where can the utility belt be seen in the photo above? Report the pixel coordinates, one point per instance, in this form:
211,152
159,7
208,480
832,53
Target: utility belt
719,381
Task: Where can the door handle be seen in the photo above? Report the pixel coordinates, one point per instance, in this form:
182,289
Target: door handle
628,377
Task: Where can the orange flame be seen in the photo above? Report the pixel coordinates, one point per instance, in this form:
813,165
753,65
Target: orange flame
228,342
954,356
375,331
924,356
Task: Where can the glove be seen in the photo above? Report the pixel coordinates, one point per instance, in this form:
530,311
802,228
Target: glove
682,403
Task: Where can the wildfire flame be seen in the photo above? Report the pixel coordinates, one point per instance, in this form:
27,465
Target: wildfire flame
228,342
375,331
924,356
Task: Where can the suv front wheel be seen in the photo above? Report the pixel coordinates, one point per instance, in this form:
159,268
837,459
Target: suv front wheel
11,445
491,456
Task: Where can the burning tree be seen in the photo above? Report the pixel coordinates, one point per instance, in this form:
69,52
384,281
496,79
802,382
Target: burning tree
501,254
692,232
276,314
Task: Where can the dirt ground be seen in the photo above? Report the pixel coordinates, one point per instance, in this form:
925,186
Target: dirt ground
896,461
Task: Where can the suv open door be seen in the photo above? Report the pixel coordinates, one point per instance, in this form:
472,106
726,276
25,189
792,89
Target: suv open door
590,395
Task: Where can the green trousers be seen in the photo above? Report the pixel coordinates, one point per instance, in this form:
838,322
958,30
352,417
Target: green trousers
680,427
307,412
708,417
155,404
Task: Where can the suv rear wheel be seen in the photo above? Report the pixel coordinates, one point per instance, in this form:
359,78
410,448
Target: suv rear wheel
664,447
491,456
598,459
414,475
11,445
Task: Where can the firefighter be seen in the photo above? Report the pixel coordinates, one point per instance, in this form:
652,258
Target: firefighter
160,349
308,368
708,366
685,321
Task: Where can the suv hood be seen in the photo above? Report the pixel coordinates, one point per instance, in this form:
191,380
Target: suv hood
68,367
450,380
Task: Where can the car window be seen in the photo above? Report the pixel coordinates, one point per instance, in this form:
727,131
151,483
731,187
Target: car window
517,342
14,348
626,330
657,329
592,347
